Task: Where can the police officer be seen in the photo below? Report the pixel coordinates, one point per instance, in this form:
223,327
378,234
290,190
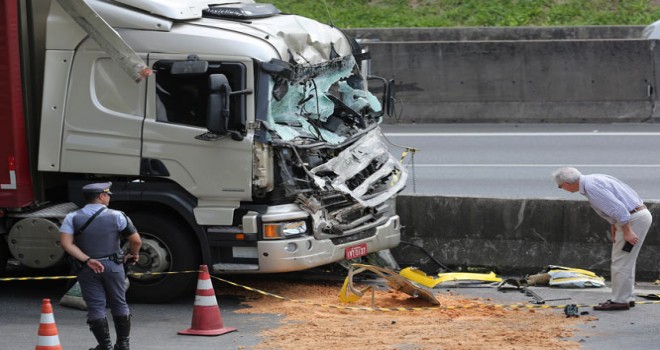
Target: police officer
91,235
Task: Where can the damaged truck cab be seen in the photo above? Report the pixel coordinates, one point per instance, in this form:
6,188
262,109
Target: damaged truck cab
254,147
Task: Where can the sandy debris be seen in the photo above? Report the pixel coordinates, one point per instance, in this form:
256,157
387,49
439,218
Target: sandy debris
308,322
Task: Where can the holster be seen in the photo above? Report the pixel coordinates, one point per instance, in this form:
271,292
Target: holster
117,257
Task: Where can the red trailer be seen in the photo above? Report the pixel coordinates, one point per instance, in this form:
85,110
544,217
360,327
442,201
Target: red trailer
15,182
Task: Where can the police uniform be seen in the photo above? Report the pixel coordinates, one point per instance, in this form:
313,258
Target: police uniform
100,240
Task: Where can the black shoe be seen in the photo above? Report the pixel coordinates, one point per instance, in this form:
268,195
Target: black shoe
123,329
102,333
612,306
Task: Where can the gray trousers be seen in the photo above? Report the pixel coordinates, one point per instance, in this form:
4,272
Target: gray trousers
100,290
623,263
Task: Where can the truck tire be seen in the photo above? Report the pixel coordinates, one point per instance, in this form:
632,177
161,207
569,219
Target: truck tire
4,255
167,246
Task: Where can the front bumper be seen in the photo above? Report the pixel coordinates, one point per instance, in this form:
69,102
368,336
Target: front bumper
307,252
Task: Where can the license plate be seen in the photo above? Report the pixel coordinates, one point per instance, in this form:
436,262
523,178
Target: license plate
355,251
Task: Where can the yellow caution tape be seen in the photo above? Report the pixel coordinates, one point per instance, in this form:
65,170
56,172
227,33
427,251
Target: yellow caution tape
41,278
36,278
329,306
403,155
160,273
395,176
406,151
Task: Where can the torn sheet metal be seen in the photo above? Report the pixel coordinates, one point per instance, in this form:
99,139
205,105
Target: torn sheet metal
422,278
307,41
369,151
350,294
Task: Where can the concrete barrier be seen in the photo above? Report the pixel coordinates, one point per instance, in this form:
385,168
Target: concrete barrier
573,74
513,236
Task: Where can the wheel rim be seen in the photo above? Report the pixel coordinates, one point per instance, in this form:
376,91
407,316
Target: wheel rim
154,257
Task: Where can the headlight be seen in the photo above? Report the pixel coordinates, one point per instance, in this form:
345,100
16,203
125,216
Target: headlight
284,229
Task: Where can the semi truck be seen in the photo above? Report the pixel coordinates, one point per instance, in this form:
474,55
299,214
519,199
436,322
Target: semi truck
249,141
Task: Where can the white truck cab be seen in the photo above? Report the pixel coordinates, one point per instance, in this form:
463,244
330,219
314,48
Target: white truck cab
254,147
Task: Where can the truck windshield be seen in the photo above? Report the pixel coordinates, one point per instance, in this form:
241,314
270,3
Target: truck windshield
330,153
326,102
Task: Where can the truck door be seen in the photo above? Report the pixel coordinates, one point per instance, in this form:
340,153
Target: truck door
216,170
103,118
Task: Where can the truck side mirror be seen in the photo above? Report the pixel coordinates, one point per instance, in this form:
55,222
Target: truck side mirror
390,99
192,66
217,110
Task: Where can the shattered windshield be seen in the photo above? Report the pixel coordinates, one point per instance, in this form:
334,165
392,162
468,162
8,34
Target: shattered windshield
326,102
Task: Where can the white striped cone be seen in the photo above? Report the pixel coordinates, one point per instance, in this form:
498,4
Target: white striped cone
48,338
206,318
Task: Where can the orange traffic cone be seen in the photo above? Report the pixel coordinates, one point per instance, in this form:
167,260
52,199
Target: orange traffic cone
206,318
48,338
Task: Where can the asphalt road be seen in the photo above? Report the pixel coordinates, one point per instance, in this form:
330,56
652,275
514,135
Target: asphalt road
515,160
155,326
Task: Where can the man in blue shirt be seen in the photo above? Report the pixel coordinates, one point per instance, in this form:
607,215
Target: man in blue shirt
630,221
92,236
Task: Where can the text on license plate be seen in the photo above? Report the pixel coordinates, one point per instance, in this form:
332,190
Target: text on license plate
355,251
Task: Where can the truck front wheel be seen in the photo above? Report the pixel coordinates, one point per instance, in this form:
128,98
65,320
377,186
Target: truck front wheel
167,246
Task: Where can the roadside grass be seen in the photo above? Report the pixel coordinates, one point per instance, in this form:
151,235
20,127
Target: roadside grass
474,13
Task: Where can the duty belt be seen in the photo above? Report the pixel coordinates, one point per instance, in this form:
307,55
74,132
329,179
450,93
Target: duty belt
116,257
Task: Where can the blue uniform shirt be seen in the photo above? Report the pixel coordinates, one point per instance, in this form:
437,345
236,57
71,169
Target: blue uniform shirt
90,209
101,237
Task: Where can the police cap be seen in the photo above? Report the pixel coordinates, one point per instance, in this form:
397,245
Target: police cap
98,188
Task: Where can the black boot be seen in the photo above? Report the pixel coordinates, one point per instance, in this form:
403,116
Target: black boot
123,329
102,333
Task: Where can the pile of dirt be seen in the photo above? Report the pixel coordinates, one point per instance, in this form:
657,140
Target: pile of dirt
313,318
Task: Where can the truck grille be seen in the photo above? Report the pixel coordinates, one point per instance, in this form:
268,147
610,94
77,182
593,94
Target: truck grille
354,189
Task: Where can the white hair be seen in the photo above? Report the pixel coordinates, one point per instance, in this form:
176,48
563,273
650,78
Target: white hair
567,174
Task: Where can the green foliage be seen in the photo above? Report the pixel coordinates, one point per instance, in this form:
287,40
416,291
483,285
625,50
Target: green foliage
473,13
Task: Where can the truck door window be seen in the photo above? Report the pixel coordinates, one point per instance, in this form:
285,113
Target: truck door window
182,98
114,90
